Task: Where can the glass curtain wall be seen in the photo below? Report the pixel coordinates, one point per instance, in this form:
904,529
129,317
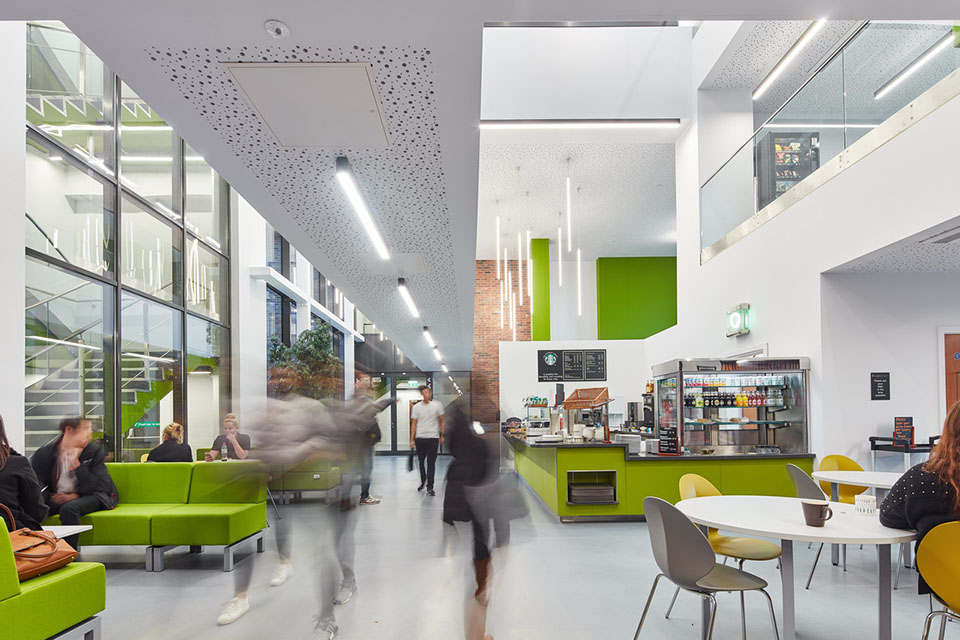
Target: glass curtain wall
120,326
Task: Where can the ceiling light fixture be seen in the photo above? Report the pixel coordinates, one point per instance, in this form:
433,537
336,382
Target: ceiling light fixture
428,337
276,29
444,367
436,354
498,242
513,308
560,256
579,286
520,264
405,294
789,57
529,271
504,262
584,124
349,184
503,287
79,345
569,215
143,356
912,68
451,378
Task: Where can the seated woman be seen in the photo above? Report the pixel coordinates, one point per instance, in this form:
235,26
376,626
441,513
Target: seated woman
238,444
171,448
20,490
929,493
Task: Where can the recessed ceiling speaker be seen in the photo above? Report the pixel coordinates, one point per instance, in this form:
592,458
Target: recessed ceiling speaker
276,29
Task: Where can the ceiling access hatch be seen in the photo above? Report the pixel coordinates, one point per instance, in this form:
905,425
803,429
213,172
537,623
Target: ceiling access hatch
315,104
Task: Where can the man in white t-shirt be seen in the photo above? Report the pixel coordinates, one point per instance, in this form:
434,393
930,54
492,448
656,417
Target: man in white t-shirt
426,432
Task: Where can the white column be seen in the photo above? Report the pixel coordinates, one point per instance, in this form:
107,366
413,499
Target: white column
349,344
12,206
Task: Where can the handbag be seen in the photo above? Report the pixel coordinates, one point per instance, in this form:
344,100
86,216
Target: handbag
37,552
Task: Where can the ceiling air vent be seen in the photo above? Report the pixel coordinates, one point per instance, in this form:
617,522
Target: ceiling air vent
944,237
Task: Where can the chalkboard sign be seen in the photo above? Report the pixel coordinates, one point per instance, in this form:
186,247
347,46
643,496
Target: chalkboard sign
669,441
880,385
903,429
572,366
550,366
595,364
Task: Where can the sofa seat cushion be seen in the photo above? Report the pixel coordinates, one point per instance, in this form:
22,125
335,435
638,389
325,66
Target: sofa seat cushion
311,480
207,524
234,482
53,602
126,524
157,482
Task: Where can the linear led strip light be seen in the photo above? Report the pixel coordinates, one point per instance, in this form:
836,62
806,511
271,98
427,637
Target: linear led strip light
584,124
349,184
520,265
559,256
429,338
789,57
941,45
405,294
498,240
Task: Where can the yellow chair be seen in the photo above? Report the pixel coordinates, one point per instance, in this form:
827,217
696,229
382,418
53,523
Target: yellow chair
693,485
847,492
143,458
939,564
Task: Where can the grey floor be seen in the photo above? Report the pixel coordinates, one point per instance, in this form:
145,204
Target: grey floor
554,581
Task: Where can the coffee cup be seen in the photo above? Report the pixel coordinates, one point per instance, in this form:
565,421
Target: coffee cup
816,512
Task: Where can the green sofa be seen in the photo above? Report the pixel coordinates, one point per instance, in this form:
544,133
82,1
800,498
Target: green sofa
290,481
171,504
62,604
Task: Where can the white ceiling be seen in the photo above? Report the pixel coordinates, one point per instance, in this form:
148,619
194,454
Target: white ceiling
625,206
424,188
911,255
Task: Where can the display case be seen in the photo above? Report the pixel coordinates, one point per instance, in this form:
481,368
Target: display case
783,160
732,407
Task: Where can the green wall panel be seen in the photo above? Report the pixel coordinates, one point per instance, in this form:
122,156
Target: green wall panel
540,318
636,297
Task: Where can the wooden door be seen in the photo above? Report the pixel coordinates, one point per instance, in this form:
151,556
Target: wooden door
951,345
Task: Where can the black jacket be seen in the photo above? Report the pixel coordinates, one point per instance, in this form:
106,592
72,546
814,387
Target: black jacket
242,439
919,501
93,479
470,466
21,492
171,451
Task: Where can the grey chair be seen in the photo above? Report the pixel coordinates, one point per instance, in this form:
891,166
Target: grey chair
808,488
686,558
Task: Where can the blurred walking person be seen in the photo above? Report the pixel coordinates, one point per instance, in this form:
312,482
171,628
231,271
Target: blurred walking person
426,433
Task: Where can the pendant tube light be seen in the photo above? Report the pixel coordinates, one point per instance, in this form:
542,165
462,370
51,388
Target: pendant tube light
428,337
529,271
579,285
909,70
513,304
789,57
560,256
569,217
520,265
498,241
509,298
407,298
580,124
348,183
436,354
504,262
444,367
502,287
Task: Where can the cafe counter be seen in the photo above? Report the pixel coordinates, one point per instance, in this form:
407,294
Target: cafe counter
604,481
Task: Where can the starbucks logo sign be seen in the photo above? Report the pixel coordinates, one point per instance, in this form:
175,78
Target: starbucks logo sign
550,359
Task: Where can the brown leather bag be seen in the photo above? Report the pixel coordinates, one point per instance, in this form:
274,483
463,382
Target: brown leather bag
37,552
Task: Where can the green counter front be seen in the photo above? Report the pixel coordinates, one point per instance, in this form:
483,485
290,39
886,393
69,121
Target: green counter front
547,469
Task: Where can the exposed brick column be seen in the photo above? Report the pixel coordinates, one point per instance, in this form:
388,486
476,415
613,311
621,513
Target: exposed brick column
487,335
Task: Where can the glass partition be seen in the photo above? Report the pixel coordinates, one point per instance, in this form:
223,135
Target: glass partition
206,289
881,69
205,199
207,382
148,148
151,260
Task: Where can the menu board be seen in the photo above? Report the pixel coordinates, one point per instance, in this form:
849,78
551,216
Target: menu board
880,385
669,442
572,366
595,364
550,366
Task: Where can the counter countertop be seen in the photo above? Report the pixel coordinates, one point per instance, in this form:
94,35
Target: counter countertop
653,456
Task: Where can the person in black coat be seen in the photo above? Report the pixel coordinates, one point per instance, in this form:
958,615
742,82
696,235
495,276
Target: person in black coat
172,448
72,471
929,493
20,490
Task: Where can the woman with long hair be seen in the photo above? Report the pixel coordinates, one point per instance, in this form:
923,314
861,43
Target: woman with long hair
20,490
171,447
929,493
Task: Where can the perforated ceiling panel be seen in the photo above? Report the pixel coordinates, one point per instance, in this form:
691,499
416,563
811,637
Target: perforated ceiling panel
625,206
909,258
403,185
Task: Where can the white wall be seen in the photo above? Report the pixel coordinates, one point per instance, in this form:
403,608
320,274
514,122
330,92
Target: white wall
627,372
565,324
883,322
13,49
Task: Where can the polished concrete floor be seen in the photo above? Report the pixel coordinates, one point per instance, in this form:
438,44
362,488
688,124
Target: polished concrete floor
555,581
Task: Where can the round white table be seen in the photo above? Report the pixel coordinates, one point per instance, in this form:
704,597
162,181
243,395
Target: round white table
879,481
775,517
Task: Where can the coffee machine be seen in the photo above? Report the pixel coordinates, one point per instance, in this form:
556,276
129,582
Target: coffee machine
633,417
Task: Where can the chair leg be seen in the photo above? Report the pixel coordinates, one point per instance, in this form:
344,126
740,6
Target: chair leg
743,616
943,622
646,607
814,567
672,601
843,552
713,616
896,581
773,616
927,623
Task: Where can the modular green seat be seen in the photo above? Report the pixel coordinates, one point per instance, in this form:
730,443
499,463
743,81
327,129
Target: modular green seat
309,475
51,604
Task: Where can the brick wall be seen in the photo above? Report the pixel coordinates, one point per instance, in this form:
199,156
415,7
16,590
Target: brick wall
487,335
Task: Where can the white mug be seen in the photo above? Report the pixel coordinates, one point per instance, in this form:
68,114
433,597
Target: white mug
865,504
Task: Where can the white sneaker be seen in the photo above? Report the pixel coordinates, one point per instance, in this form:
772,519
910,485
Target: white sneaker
346,592
234,609
371,499
284,571
326,629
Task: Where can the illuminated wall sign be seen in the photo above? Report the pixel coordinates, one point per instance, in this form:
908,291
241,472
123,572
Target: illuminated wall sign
738,320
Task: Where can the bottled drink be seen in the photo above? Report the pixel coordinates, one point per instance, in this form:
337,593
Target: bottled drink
224,454
699,400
